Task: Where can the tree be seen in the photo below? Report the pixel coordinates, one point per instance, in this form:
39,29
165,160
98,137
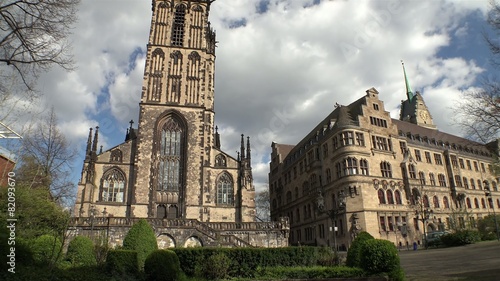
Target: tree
263,206
46,159
141,238
33,36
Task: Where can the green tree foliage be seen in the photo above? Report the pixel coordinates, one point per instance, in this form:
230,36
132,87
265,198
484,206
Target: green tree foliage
163,265
460,238
379,256
217,267
36,214
46,249
81,252
354,252
487,228
141,238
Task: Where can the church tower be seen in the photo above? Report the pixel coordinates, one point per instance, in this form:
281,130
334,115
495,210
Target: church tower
413,109
180,170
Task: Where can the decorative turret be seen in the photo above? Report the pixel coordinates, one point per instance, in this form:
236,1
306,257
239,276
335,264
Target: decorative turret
217,138
249,157
89,146
242,148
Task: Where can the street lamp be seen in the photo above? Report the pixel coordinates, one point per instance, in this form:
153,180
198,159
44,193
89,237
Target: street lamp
487,193
333,214
423,214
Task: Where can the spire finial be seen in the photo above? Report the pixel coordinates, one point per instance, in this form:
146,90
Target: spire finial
249,156
96,137
131,123
89,142
242,149
409,92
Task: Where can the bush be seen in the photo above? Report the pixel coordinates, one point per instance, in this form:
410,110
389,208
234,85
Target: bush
326,257
217,267
378,256
162,265
310,272
487,228
141,238
122,262
46,249
354,252
460,238
81,252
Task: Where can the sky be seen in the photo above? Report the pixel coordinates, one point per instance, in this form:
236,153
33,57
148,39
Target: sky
281,65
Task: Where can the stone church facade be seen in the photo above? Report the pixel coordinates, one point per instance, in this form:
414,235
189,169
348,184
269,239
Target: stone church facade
361,170
171,169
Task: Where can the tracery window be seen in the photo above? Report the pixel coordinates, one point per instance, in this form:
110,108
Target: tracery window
220,161
225,193
170,155
178,26
113,186
421,176
432,179
116,156
442,180
412,171
350,166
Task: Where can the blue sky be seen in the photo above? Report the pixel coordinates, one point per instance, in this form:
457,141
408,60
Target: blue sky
281,65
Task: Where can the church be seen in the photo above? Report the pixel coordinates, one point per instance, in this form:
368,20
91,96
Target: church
398,179
171,169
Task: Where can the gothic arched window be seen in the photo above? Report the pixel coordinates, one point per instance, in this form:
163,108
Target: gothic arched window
446,203
385,169
170,155
381,196
113,186
225,194
363,166
178,26
397,196
390,198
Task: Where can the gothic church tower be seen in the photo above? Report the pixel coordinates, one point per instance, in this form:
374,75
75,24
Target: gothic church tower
180,171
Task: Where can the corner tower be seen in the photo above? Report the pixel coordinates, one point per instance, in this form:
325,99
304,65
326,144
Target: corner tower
413,109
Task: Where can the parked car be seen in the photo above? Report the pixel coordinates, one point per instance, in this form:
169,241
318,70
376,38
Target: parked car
433,239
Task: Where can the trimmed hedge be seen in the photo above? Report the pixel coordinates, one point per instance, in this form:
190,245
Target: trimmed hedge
162,265
354,253
122,262
141,238
81,252
245,261
314,272
217,267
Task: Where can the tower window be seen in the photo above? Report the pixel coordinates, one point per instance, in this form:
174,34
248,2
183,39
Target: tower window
178,26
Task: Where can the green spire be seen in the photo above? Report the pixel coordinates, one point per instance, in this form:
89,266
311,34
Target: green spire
409,92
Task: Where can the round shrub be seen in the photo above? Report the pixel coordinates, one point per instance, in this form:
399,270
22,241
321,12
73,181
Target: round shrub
354,253
81,252
217,267
46,249
379,256
162,265
141,238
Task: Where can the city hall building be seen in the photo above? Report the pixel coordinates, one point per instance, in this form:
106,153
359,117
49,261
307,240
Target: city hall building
361,170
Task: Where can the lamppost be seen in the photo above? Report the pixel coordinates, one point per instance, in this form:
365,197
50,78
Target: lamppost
487,193
423,214
333,214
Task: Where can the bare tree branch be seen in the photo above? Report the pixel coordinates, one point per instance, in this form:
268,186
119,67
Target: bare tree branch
33,36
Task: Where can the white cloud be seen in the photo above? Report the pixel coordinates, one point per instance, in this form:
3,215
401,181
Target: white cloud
280,72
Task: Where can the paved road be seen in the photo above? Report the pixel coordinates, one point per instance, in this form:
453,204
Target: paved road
477,262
